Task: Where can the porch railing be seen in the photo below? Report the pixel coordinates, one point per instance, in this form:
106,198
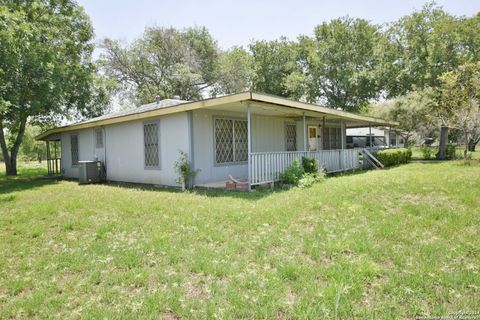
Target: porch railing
268,166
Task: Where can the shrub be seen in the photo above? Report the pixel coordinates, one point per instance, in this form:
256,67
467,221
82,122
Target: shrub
184,170
427,152
392,157
292,174
310,178
451,151
309,165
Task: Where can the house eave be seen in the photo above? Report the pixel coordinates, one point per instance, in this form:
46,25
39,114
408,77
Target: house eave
239,97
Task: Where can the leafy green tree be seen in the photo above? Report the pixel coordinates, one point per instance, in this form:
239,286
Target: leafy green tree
341,64
235,71
421,47
458,97
45,68
411,111
424,45
277,69
162,63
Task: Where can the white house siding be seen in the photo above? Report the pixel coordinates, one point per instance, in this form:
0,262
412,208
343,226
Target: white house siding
125,150
203,148
85,150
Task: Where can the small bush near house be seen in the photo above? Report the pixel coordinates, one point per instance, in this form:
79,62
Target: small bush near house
184,169
310,178
303,175
309,165
427,152
393,157
292,174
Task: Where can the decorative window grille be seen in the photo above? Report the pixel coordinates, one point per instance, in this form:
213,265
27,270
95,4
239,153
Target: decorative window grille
231,140
151,144
291,137
74,149
99,138
240,133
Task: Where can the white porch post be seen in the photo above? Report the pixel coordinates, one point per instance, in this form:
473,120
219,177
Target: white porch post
343,129
387,137
48,158
249,133
370,135
304,132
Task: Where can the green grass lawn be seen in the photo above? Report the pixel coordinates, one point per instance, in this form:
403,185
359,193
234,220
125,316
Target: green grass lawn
387,244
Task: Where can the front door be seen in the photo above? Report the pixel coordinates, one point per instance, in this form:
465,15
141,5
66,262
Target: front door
312,138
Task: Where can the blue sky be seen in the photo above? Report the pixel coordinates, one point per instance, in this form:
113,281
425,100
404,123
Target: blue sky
238,22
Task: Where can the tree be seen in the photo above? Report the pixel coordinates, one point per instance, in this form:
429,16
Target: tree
458,97
411,111
45,68
276,68
163,62
422,46
30,149
341,64
235,71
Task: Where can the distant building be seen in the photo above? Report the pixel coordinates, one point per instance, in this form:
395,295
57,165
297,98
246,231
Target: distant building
382,137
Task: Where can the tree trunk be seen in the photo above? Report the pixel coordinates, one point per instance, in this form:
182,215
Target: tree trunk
3,145
442,148
472,144
11,167
11,159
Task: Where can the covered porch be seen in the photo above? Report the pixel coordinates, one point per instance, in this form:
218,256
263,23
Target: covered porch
257,139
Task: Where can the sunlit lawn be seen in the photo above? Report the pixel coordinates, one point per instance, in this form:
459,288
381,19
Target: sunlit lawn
387,244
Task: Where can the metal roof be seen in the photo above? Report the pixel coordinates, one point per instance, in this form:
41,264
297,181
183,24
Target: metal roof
141,109
170,106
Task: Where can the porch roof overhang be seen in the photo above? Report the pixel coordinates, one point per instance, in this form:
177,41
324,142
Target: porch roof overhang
283,106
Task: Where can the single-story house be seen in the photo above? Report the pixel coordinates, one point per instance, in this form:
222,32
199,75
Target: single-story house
380,137
246,135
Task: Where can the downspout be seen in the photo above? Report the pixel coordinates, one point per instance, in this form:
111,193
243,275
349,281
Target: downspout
105,151
191,146
249,141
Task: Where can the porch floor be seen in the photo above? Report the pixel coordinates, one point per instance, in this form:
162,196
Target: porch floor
212,185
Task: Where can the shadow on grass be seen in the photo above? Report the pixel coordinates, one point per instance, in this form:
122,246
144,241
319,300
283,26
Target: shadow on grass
258,193
213,193
27,178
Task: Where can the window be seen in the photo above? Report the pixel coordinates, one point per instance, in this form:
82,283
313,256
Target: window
151,141
231,140
99,138
74,149
326,139
332,138
336,138
291,137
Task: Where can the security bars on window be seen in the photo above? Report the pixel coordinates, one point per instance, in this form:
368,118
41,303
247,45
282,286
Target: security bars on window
99,138
291,137
231,141
74,149
151,143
